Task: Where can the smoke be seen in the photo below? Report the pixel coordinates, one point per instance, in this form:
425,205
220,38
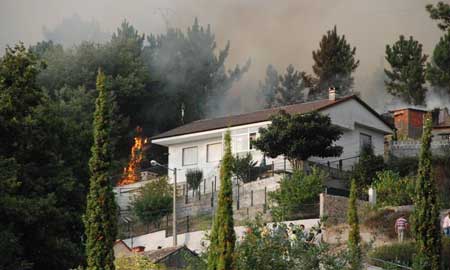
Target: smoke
266,31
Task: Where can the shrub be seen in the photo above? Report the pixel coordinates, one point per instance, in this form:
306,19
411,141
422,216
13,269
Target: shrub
366,168
398,253
392,190
154,201
382,221
194,178
295,190
405,166
244,168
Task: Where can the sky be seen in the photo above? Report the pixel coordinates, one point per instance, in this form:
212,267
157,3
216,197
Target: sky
267,32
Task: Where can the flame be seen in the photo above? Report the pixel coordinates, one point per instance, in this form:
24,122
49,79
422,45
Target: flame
131,171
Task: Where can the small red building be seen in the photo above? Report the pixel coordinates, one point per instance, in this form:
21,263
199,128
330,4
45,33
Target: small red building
408,122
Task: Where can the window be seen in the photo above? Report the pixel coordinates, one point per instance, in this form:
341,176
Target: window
190,156
365,140
213,152
240,143
252,138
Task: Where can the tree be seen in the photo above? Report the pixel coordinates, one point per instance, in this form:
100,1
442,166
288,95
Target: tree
154,201
194,178
221,254
406,78
438,71
135,262
426,221
270,86
41,195
354,238
334,63
393,190
366,169
440,12
299,137
291,87
294,191
244,168
101,211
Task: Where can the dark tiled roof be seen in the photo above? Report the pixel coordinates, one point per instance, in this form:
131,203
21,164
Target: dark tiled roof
255,117
157,255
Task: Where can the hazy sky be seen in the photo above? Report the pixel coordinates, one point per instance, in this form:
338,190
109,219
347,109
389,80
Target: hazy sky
277,32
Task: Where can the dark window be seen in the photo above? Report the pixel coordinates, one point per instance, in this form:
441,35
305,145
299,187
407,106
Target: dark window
365,140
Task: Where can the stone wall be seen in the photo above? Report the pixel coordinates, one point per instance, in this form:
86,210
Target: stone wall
334,208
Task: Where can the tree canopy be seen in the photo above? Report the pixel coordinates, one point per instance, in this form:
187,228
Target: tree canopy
299,137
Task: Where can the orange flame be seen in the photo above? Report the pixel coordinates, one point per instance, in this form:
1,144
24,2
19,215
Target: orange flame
131,172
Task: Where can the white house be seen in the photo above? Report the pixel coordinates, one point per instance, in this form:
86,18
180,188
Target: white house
199,144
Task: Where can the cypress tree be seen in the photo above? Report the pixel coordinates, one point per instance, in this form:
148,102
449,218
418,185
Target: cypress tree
426,223
221,249
334,63
354,239
100,218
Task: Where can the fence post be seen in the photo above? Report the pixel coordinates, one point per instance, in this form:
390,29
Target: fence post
273,168
372,196
199,193
237,202
184,189
251,198
284,165
322,205
187,223
265,200
186,195
204,187
215,183
340,165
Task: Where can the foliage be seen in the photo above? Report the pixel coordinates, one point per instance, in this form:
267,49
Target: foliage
334,63
438,71
194,178
367,167
404,253
41,188
404,166
441,13
154,201
244,168
299,136
291,87
393,190
354,238
101,211
406,78
295,190
398,253
426,222
135,262
270,86
221,253
265,251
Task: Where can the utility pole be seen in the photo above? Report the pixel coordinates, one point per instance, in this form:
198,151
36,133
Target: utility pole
174,219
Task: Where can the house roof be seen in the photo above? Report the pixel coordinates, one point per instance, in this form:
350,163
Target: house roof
260,116
157,255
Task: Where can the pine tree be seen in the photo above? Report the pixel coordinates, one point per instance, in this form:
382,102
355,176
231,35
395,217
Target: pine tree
438,71
100,219
269,87
426,222
440,12
406,78
354,239
291,87
221,249
334,63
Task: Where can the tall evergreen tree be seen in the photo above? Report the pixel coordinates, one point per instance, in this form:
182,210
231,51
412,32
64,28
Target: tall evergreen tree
100,219
221,250
438,71
426,221
334,63
440,12
406,78
269,87
354,238
291,87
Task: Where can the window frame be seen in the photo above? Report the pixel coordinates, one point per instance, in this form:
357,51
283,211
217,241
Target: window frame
207,152
183,155
361,144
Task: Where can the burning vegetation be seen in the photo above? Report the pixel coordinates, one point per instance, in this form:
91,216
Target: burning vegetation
131,171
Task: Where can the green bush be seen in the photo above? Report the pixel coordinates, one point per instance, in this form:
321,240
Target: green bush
403,253
194,178
366,168
392,190
154,201
405,166
296,190
398,253
244,168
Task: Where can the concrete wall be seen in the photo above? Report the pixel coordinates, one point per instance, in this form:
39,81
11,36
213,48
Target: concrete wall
335,208
195,241
412,148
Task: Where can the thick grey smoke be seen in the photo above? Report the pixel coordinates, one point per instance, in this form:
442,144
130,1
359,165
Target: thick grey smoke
267,31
